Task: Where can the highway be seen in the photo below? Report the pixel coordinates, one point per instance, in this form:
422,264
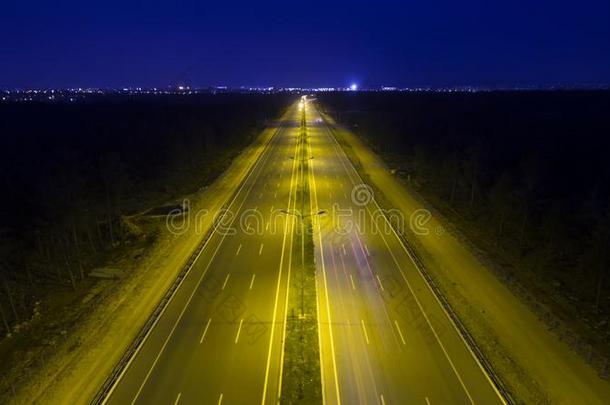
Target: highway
384,337
220,337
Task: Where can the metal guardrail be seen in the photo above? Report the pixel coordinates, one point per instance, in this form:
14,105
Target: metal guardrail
134,346
461,328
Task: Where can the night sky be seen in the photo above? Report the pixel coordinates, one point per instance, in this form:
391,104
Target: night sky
303,43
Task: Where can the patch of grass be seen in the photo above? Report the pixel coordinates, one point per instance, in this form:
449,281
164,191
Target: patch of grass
301,372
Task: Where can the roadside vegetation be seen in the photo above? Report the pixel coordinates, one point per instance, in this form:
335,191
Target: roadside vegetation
524,177
301,380
75,177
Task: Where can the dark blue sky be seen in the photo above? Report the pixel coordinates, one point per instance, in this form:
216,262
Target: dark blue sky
303,43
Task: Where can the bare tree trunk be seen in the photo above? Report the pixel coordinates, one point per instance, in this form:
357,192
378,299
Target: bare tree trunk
90,240
47,249
121,228
58,268
77,249
99,233
523,225
68,267
500,228
109,216
4,320
10,299
453,188
598,293
110,229
600,279
39,244
28,272
472,187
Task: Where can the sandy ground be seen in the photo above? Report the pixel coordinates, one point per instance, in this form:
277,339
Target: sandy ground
533,363
82,362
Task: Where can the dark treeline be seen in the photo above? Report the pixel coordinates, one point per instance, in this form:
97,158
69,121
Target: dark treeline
526,172
69,172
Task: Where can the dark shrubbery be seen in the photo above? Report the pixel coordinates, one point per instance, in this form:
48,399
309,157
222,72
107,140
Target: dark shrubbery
526,172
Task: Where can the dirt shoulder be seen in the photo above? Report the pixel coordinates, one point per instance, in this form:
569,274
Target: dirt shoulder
112,317
534,364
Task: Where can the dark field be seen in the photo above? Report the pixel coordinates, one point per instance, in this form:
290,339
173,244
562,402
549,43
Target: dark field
71,171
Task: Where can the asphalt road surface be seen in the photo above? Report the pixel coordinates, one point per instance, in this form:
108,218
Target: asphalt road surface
384,338
220,337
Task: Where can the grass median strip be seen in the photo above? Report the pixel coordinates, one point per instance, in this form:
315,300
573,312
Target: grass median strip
301,371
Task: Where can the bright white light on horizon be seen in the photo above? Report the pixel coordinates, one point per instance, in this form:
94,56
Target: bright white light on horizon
353,87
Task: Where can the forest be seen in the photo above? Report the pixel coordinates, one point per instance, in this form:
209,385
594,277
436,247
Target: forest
71,171
524,175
